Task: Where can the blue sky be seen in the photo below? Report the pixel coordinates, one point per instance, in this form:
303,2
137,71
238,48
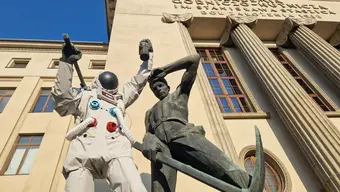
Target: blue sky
83,20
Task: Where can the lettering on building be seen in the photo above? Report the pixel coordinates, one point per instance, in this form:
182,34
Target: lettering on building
264,8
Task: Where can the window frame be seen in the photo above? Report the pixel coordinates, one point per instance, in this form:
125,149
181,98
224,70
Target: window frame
220,79
316,94
95,63
6,95
253,161
13,149
46,103
13,64
53,65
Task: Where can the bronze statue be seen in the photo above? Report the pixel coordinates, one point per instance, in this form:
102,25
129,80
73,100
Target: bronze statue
169,132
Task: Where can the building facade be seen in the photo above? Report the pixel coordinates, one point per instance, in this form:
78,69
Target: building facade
266,63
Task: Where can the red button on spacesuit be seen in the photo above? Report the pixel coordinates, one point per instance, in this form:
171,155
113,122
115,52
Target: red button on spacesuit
111,127
94,122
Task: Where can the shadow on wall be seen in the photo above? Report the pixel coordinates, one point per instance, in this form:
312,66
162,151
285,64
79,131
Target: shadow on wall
100,185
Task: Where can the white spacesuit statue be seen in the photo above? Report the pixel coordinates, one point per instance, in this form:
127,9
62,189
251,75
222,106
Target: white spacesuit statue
100,147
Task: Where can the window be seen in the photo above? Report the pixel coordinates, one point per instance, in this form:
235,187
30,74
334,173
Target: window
97,64
272,179
44,103
5,95
18,63
229,94
303,82
54,64
23,155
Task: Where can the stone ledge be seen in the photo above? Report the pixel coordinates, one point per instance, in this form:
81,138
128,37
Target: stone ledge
252,115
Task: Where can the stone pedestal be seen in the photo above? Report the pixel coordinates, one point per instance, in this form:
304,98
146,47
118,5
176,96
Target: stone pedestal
322,54
316,136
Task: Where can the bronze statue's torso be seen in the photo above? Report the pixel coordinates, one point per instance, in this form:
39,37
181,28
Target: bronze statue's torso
169,115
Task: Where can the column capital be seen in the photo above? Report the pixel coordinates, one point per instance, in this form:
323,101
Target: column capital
289,25
335,38
185,19
231,23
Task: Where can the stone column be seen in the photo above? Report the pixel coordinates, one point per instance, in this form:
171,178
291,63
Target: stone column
316,136
217,124
322,54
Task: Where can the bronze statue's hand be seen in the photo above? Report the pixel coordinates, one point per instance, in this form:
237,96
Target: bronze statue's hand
157,73
151,146
73,58
70,54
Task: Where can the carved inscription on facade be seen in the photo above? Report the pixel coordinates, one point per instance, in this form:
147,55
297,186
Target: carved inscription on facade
264,8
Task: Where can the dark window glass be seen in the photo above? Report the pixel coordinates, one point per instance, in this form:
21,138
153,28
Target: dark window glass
5,96
44,103
225,105
227,86
216,86
236,105
227,70
235,87
321,104
244,104
208,70
304,86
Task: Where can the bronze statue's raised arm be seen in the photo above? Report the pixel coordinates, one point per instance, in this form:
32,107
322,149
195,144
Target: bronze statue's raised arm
190,63
189,75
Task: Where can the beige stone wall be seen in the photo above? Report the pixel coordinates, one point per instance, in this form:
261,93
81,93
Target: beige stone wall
135,20
18,119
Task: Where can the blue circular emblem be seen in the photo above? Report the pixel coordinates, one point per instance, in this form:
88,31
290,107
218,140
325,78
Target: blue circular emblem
112,112
94,105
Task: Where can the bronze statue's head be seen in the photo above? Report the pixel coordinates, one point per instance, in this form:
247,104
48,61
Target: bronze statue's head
159,87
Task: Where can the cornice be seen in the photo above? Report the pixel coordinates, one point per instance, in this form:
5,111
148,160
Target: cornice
50,46
110,6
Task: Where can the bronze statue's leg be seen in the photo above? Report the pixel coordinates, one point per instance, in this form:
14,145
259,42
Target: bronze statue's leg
197,151
163,177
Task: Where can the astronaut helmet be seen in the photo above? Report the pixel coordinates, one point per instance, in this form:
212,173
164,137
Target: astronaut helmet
107,81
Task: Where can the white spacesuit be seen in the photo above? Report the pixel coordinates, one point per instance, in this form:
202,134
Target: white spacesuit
102,150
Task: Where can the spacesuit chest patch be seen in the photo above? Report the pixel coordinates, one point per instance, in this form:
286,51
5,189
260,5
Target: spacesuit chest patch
94,104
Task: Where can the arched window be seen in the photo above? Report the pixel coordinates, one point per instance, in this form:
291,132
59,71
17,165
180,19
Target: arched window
272,180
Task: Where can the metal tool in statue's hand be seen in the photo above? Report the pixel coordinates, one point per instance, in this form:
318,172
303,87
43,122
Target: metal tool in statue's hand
258,176
144,51
70,50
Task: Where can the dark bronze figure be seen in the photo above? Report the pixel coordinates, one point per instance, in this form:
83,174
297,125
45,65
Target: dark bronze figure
169,132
